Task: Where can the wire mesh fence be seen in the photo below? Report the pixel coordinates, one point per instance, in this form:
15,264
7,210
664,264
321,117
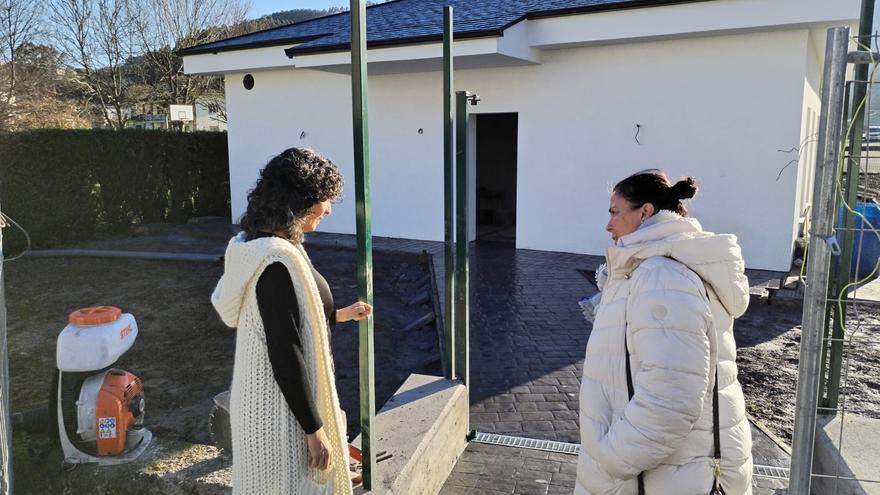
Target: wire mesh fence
837,424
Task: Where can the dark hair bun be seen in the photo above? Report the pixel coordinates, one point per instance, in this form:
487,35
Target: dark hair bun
683,189
653,186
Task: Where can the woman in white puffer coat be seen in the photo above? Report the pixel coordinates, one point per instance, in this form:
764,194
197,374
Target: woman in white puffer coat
670,297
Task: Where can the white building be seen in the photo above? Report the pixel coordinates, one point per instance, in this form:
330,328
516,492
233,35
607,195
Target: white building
573,100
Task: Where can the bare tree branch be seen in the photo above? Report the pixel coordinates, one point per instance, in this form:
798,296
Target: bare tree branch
97,36
165,26
19,24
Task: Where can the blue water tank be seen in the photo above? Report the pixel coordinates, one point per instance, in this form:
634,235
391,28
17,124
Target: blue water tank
866,244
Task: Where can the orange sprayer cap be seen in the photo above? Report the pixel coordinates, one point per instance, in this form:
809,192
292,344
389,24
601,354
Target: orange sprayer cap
95,316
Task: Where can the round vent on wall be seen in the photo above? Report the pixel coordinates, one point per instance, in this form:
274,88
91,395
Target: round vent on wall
248,82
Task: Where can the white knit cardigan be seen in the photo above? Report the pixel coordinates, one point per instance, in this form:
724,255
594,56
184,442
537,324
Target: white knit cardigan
270,454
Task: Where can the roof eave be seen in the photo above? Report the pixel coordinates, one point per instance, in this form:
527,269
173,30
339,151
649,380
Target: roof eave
340,47
587,9
198,50
293,51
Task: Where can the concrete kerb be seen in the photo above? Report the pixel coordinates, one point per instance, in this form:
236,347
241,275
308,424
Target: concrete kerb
423,427
769,434
139,255
855,462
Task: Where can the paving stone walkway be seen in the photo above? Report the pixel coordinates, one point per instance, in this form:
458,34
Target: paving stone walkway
527,346
527,334
527,341
495,470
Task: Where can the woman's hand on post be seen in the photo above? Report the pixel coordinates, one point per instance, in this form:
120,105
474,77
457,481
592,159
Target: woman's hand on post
357,311
319,450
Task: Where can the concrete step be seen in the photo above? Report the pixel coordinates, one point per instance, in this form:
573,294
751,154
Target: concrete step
846,447
423,428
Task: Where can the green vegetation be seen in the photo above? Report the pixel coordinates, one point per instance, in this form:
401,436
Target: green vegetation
63,186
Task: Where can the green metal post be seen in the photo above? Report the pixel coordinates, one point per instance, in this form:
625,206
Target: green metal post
448,197
364,234
851,196
462,300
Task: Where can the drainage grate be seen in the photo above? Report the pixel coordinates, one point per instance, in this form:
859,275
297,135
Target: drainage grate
527,443
773,472
761,471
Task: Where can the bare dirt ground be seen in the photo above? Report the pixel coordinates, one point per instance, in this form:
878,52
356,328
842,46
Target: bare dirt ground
768,340
183,353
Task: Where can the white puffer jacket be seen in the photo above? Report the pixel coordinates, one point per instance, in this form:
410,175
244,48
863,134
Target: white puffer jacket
655,297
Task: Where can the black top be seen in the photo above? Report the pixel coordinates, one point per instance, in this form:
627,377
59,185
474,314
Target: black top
279,310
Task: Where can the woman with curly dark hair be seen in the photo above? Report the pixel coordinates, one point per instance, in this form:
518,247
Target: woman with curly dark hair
288,431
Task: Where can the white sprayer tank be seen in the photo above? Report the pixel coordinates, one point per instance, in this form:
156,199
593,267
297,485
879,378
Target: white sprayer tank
95,338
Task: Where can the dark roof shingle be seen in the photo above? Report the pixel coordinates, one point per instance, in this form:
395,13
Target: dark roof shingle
406,21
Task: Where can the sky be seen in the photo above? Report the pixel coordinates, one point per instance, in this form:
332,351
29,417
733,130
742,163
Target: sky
263,7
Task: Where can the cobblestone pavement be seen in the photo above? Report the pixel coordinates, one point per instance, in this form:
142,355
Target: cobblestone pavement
527,341
494,470
527,334
490,469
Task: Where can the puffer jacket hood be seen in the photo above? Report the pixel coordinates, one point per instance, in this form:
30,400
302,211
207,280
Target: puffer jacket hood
716,258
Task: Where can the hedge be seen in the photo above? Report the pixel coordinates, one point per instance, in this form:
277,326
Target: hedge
65,186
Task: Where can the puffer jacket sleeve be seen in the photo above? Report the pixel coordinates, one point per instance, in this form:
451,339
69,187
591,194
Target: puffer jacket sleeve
667,320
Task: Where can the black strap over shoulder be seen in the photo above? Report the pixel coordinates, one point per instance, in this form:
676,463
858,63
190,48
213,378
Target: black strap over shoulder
715,428
715,420
629,378
632,392
716,431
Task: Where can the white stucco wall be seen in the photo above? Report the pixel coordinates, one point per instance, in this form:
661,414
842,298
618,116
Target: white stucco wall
717,108
806,152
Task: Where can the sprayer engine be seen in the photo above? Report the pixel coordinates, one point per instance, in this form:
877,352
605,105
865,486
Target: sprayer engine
100,409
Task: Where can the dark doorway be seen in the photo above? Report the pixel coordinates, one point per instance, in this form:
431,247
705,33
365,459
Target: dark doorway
496,145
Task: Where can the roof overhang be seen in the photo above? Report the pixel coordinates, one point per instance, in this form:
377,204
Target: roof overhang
522,43
492,51
689,21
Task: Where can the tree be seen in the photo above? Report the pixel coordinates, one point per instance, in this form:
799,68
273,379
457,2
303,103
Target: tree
165,26
97,38
46,94
300,15
19,22
215,101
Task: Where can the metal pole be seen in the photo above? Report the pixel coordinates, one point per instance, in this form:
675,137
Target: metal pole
462,190
364,234
844,261
822,244
448,197
831,309
5,412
